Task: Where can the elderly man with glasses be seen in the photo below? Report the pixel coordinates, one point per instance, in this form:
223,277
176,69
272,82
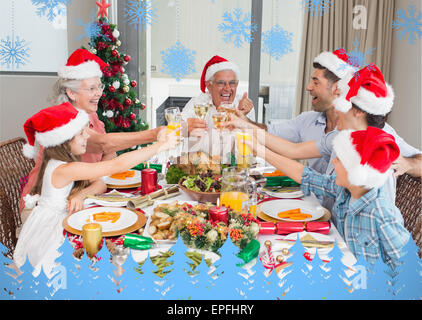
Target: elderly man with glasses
219,82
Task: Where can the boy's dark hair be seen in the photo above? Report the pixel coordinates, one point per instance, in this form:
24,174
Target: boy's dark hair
377,121
330,76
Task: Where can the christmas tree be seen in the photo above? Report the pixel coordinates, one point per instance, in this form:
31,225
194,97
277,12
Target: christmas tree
119,106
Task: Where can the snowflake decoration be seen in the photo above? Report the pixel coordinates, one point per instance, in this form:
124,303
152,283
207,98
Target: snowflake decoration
13,52
139,12
277,42
51,8
237,26
321,6
178,61
356,57
91,29
410,23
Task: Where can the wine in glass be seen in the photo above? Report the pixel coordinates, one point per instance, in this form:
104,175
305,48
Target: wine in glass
227,107
201,110
219,118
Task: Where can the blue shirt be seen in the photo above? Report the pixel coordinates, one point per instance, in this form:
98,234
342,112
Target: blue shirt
307,126
371,225
325,147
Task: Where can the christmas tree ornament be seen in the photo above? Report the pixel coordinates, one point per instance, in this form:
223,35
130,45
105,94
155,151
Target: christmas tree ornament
126,81
137,101
125,89
116,84
128,102
93,51
115,33
103,6
118,43
109,114
111,89
132,116
127,58
133,83
114,53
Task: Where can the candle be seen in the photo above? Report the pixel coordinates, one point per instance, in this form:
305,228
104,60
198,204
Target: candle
219,213
92,238
149,181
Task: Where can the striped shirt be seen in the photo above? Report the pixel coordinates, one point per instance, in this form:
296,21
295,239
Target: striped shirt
371,225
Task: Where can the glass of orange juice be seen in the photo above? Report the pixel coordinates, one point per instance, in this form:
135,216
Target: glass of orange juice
236,188
174,119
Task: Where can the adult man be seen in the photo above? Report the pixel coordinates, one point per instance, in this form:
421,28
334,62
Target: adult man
329,68
370,109
219,82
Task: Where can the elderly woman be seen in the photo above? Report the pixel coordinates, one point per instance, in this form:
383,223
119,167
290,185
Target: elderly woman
80,83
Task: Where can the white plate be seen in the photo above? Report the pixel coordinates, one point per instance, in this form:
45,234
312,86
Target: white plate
273,207
128,181
127,218
285,195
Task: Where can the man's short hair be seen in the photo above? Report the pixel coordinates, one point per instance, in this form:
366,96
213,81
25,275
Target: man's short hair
330,76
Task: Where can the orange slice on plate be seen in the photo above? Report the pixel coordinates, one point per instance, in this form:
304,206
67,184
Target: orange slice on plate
123,175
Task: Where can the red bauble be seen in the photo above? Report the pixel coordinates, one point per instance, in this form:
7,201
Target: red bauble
127,58
143,106
133,83
132,116
111,89
128,102
114,53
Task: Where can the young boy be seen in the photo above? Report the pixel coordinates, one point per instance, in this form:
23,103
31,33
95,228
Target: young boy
369,223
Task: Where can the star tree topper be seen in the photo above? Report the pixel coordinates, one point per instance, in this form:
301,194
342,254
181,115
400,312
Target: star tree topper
103,5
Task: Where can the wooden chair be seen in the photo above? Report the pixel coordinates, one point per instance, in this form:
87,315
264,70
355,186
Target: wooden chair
409,201
14,167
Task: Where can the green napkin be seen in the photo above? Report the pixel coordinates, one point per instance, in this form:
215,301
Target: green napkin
282,181
141,166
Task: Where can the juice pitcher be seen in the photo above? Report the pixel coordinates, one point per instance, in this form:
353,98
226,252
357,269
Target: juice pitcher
238,189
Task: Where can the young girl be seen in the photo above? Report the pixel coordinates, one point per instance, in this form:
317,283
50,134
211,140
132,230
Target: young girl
61,130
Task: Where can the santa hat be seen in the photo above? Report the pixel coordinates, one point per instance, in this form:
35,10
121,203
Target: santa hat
338,62
367,155
82,64
214,65
53,126
366,89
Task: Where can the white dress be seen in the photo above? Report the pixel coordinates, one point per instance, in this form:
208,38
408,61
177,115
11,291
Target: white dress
42,232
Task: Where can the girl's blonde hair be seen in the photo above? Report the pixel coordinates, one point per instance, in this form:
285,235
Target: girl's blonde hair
61,152
59,95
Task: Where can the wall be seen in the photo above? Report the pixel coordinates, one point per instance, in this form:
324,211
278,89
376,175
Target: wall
406,71
23,95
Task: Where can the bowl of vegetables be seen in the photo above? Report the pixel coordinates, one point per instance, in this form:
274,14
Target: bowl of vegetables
202,187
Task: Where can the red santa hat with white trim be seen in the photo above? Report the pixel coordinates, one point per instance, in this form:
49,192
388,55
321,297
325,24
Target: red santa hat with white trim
53,126
367,155
338,62
366,89
82,64
214,65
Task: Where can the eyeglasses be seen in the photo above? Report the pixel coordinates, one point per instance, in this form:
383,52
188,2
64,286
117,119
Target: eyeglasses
231,83
94,89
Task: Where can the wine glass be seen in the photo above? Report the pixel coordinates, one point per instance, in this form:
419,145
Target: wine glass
228,107
174,119
218,118
201,110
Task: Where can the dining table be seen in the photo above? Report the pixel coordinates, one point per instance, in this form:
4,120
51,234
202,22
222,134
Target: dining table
278,243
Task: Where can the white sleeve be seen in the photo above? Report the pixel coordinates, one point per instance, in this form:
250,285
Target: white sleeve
188,110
